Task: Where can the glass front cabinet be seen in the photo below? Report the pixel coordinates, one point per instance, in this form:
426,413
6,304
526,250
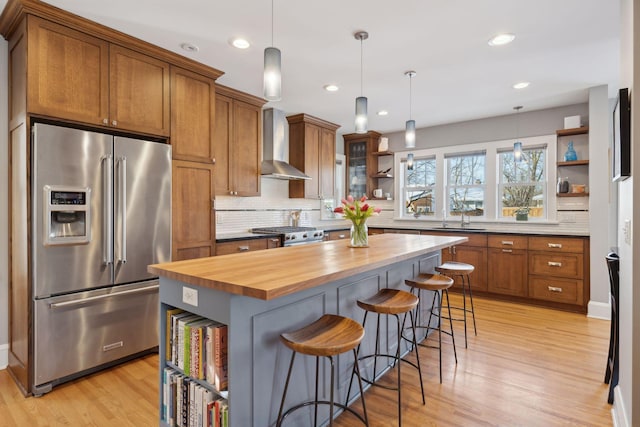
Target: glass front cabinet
362,155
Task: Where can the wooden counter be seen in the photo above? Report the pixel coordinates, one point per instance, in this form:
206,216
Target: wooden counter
259,295
275,273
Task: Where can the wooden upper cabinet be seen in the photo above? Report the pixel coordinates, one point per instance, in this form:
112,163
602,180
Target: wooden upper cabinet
237,142
68,73
193,105
77,77
139,92
312,149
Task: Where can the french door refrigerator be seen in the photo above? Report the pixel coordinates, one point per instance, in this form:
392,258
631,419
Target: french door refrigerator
101,209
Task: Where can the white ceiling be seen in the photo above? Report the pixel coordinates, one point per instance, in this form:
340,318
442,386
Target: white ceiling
562,47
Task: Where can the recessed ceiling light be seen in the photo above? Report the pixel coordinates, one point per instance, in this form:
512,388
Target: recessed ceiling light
383,112
501,39
521,85
240,43
190,47
331,88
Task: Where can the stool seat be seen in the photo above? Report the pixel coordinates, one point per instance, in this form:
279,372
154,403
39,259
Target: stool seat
389,301
430,282
453,267
328,336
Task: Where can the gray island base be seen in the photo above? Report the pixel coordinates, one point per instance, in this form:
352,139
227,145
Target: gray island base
259,295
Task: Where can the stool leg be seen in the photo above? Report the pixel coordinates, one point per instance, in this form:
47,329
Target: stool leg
415,346
464,309
315,402
286,386
330,394
357,369
473,312
439,332
453,339
364,323
399,364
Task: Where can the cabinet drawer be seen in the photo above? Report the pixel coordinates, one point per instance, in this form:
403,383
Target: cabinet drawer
555,289
475,239
562,265
338,235
505,241
556,244
240,246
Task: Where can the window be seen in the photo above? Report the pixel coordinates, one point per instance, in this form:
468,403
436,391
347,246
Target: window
420,187
465,183
522,184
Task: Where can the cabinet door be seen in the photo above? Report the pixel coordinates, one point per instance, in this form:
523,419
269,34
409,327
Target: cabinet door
193,215
476,257
507,271
246,150
138,92
192,116
68,73
239,246
222,142
312,187
327,164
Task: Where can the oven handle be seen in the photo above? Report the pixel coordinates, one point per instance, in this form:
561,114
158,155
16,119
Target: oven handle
307,242
83,301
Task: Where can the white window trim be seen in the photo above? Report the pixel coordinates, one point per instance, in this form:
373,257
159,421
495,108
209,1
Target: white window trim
502,184
491,184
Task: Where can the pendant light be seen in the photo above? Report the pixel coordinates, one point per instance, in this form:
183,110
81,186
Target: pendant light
361,101
410,161
517,146
410,130
272,69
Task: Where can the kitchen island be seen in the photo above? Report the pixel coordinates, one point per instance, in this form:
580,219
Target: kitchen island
261,294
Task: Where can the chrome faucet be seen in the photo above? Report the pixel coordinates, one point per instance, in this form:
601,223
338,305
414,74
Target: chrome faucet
444,218
462,222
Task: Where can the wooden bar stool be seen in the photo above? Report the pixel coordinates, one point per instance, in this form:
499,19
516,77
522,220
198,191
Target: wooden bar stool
390,302
328,336
440,285
462,270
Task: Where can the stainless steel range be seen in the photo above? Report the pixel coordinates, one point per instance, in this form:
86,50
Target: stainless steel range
292,236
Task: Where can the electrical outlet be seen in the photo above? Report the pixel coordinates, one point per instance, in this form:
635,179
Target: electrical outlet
190,296
627,231
568,217
219,218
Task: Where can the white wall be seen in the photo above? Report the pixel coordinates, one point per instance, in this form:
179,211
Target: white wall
626,408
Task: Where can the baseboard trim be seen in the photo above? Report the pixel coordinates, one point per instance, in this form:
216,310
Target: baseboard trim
618,414
599,310
4,356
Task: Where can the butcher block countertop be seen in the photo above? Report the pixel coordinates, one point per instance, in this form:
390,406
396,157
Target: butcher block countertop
273,273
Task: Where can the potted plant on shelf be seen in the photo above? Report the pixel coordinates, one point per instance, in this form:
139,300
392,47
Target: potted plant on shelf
522,214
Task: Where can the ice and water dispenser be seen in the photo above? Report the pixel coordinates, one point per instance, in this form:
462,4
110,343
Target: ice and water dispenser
67,215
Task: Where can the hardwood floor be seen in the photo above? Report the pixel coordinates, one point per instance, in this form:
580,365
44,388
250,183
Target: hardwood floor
528,366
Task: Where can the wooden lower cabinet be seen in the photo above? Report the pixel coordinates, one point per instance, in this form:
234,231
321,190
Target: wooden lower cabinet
507,265
193,223
337,235
476,256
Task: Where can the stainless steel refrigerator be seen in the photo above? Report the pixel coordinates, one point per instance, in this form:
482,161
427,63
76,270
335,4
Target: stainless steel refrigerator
101,209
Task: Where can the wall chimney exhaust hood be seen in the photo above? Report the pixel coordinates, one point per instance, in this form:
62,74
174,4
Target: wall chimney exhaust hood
275,142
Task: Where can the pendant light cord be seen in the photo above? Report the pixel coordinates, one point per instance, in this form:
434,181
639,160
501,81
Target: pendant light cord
410,77
361,67
271,23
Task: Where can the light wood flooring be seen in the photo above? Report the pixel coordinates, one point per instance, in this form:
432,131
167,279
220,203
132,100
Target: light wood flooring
528,366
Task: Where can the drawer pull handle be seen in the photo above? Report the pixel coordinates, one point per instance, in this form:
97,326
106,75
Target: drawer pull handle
555,245
342,236
275,240
554,264
554,289
507,243
508,251
243,248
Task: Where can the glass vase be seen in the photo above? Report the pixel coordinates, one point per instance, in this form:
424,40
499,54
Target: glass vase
359,235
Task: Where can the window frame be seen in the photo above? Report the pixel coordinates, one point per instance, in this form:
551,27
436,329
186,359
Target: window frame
433,187
448,186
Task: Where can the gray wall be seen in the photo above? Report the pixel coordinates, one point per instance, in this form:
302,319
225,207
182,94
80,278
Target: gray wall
528,123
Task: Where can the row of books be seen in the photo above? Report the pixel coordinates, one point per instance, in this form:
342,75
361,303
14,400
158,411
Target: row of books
185,403
198,347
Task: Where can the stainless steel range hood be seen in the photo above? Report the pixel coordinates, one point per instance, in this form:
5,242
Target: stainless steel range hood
275,144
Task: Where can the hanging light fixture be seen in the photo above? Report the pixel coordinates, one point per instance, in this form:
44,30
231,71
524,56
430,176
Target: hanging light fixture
272,69
410,161
517,146
361,101
410,130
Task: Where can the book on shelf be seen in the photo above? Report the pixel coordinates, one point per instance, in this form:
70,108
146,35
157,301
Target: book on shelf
180,321
169,330
194,347
216,356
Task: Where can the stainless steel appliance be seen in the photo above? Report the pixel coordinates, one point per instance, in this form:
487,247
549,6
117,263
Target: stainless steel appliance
292,236
101,207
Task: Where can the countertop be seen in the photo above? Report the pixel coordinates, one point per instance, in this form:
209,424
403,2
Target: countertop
278,272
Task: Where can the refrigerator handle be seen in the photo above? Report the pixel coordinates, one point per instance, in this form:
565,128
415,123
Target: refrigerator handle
123,209
108,210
